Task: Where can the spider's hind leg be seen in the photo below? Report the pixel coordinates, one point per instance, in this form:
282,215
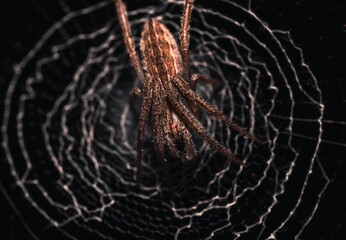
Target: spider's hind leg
191,96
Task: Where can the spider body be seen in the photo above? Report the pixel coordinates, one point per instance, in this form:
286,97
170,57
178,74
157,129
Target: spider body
161,56
168,91
162,62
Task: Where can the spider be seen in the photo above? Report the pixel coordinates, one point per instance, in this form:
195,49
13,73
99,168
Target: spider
169,91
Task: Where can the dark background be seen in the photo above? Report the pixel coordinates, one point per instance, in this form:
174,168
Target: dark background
317,27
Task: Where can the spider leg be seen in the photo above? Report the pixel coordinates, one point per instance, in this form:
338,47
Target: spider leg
192,96
158,130
191,121
143,118
158,127
185,37
128,38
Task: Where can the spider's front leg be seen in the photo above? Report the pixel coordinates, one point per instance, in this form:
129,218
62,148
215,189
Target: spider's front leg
143,118
191,96
185,37
128,38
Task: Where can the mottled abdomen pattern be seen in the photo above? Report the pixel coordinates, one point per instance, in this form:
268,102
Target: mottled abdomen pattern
161,56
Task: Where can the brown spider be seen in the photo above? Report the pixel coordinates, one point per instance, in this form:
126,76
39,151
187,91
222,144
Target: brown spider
169,91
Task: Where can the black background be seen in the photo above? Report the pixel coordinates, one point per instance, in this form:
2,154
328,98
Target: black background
317,27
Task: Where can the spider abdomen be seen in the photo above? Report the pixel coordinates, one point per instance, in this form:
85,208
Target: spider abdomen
161,55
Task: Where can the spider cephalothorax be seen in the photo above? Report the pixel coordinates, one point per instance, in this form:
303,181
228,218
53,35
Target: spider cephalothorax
169,91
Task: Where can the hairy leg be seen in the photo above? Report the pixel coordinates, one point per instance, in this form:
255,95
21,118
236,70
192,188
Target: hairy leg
185,37
157,114
191,122
143,118
195,125
192,96
128,38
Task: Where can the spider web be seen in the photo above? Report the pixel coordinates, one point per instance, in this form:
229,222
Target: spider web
69,130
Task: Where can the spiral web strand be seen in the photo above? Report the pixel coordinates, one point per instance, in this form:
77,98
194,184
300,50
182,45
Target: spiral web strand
73,154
